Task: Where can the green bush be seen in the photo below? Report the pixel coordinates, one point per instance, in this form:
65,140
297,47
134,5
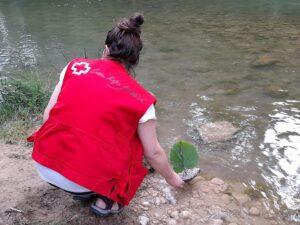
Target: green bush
183,156
21,102
22,99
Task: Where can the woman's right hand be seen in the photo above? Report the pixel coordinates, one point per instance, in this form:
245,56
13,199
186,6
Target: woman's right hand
155,155
175,180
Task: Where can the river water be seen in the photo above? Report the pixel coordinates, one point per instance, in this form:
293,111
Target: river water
202,58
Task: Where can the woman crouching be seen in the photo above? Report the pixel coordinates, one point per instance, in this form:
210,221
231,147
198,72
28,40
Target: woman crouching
98,125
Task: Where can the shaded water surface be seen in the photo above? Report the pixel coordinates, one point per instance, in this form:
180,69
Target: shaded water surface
206,60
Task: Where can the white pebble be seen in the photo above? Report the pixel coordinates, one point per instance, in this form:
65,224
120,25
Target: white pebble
185,214
171,222
169,196
157,201
144,220
146,204
174,214
254,211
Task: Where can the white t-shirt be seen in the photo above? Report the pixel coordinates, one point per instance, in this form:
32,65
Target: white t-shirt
60,181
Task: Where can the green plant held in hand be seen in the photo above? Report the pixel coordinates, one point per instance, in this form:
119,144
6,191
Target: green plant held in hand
183,156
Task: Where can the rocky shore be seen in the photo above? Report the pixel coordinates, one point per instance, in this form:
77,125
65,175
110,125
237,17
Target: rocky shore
25,199
203,201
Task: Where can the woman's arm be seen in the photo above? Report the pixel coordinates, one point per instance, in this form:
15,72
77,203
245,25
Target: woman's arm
52,101
155,155
54,96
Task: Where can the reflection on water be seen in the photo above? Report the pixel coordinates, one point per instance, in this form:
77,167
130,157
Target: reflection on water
199,59
282,147
19,54
4,51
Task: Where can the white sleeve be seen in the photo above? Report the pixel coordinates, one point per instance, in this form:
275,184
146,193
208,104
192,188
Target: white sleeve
62,74
149,114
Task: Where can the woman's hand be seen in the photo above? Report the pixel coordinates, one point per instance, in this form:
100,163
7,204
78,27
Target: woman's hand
155,155
175,180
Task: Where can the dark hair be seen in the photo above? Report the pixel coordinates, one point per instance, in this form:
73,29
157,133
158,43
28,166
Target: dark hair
124,40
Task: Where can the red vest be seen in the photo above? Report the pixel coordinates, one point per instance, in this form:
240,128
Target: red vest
91,134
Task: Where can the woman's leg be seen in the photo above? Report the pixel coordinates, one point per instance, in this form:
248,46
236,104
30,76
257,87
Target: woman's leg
81,196
103,205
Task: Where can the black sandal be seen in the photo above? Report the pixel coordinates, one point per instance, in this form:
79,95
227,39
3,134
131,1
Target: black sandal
108,207
85,196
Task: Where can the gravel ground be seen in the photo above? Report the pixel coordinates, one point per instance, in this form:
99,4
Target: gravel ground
25,199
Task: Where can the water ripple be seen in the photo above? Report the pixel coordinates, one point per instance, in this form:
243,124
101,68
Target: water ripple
281,145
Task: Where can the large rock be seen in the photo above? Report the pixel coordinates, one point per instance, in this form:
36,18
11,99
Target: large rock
218,131
275,91
264,61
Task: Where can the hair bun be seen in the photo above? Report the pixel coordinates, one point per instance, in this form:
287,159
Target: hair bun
137,18
132,24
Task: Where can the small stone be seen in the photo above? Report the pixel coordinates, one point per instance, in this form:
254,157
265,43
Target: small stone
144,208
195,193
153,193
224,187
162,181
157,201
162,200
174,214
146,204
273,222
185,214
254,211
225,198
221,188
217,181
217,222
144,220
241,198
189,174
233,224
205,189
171,222
157,215
196,179
269,216
169,196
216,190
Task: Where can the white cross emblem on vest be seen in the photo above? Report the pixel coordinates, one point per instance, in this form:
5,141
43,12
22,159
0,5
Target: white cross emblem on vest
80,68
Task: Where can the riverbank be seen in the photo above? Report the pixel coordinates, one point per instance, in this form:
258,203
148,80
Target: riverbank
25,199
22,102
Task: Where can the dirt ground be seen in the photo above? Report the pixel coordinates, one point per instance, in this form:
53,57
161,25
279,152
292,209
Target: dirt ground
26,199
